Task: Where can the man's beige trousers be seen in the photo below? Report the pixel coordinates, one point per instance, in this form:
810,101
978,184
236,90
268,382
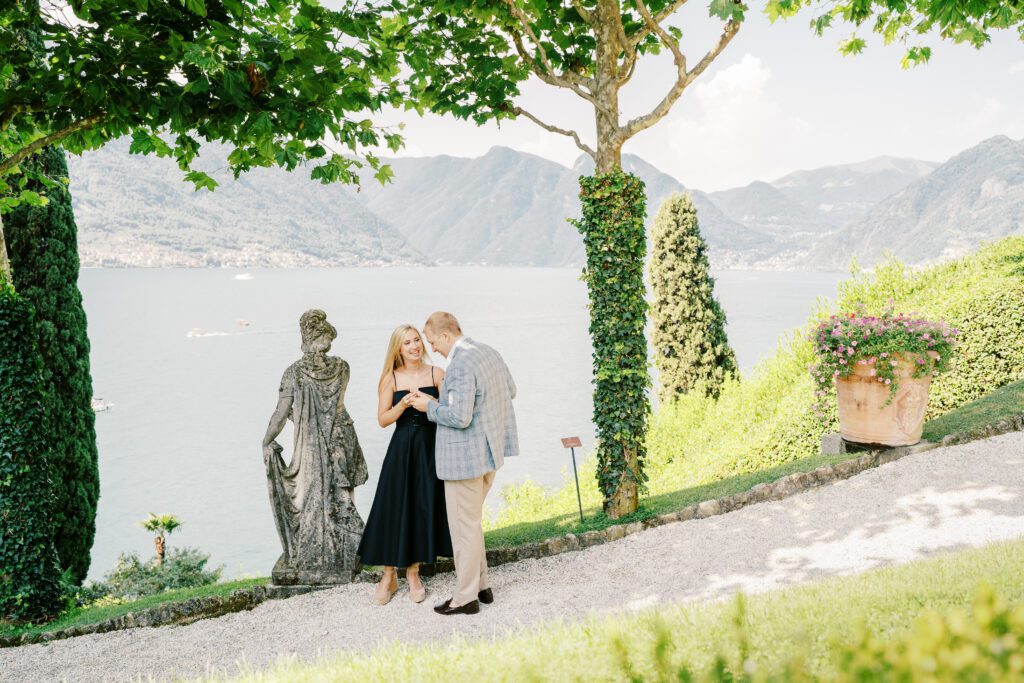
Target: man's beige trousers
464,501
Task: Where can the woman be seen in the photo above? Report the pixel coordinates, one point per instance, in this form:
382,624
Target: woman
407,523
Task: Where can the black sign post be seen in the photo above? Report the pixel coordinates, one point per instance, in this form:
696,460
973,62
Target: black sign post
572,443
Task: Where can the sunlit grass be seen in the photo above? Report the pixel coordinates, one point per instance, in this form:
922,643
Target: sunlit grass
79,616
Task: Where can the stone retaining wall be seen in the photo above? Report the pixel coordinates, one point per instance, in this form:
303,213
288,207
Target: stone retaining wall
187,611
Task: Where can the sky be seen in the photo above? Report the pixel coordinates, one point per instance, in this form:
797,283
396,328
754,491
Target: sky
777,100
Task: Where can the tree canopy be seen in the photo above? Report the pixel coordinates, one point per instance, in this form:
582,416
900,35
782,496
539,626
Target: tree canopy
913,23
273,79
469,58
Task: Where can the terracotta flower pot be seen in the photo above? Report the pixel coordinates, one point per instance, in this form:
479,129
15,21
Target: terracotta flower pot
864,416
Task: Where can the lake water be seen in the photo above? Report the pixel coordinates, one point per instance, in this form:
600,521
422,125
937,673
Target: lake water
190,411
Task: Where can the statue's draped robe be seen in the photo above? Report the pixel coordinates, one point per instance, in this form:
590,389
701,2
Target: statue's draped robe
311,497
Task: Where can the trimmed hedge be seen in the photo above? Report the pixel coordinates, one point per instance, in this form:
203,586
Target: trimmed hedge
691,350
615,241
44,255
30,587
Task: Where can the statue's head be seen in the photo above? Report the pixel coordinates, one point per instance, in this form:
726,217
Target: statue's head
317,333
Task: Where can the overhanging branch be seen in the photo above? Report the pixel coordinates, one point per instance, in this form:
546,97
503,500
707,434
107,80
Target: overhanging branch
555,129
28,150
730,31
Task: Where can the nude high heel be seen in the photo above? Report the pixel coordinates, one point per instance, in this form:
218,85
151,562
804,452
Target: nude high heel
383,597
420,595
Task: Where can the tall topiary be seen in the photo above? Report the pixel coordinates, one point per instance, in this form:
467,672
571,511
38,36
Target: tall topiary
615,241
29,573
44,254
691,348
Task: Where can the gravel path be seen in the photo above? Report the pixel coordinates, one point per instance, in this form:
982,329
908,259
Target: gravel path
950,498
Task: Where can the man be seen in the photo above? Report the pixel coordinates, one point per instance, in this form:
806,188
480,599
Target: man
476,431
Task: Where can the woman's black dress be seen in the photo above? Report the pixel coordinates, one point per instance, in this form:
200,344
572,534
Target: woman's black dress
407,522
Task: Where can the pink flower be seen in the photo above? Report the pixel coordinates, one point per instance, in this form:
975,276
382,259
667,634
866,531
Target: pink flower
885,354
887,381
872,373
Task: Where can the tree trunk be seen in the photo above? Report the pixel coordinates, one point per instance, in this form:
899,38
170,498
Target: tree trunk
606,92
624,500
5,261
159,543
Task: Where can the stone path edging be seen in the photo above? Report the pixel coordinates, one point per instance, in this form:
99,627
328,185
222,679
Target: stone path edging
187,611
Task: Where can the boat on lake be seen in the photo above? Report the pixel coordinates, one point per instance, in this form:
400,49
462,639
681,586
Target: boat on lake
99,405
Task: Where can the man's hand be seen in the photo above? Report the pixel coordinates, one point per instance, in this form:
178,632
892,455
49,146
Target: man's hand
420,401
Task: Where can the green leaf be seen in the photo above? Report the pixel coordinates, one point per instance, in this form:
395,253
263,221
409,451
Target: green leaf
201,180
852,46
196,7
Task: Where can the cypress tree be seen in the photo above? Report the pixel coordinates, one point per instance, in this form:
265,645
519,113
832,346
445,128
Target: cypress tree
44,255
29,576
691,348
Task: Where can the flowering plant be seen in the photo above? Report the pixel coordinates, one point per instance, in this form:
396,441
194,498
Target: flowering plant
846,341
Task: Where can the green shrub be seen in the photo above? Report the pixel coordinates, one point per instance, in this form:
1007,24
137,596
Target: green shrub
182,568
688,325
44,255
986,644
30,586
615,241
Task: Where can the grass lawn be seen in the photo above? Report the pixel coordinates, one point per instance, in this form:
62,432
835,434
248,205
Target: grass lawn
800,621
1007,401
91,615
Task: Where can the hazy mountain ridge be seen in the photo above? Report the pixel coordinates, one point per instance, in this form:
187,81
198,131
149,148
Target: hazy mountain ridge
511,208
977,195
138,211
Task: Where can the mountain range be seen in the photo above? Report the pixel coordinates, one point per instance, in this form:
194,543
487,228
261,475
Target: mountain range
512,208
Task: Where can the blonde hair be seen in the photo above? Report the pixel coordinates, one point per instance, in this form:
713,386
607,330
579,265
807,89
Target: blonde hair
393,358
442,321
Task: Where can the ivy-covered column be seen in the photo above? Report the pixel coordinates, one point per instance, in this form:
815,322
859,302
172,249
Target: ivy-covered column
615,242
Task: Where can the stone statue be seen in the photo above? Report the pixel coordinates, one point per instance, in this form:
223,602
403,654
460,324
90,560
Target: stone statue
311,496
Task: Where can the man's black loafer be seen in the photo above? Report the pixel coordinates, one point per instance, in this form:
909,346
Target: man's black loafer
485,596
446,608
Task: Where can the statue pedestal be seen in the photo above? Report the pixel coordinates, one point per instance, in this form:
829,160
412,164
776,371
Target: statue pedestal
287,575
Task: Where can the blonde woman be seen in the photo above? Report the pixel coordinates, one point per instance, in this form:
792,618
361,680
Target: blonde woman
407,524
